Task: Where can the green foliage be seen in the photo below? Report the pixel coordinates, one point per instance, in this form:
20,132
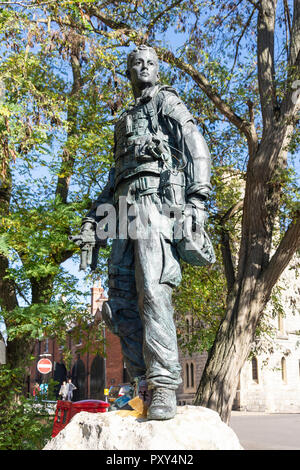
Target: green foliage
56,149
198,298
24,423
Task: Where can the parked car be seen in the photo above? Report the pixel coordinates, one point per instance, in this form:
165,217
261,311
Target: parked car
117,391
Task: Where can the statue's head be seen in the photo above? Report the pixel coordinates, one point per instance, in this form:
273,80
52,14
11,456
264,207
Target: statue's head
142,68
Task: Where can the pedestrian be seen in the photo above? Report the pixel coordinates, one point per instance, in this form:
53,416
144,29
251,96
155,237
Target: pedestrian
63,391
70,388
36,390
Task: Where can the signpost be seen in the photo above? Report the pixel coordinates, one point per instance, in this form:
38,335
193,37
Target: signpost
44,366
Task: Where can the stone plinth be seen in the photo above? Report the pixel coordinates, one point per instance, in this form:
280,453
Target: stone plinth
193,428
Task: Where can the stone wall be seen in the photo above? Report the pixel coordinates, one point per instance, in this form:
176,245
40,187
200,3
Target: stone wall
277,385
186,391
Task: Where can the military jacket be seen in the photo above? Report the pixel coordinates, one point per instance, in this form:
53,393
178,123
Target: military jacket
155,134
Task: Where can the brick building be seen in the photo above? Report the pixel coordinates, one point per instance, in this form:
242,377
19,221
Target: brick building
90,372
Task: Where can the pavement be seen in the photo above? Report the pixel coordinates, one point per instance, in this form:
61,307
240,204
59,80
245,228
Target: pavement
267,431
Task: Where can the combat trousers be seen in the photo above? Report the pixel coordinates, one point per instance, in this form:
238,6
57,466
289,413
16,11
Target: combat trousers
143,269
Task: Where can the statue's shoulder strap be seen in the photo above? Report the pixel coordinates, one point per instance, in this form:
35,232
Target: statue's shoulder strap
167,88
124,112
155,103
171,105
163,93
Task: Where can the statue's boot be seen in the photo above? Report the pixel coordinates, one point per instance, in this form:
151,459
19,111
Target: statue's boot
163,404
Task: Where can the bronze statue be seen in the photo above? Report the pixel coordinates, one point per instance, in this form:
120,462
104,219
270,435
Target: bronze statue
161,161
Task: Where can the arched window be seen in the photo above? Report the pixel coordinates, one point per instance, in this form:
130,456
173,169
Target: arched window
79,380
126,377
189,326
192,375
189,382
187,322
187,376
254,369
283,370
97,378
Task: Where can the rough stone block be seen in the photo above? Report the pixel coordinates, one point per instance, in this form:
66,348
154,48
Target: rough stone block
193,428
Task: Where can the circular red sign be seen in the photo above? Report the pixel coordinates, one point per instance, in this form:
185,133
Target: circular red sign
44,366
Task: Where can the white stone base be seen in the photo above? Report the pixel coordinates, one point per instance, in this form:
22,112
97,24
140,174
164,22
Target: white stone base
193,428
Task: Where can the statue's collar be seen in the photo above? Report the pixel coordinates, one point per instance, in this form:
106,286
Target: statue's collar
147,95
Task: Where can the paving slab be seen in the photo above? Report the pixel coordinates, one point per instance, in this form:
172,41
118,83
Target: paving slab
267,431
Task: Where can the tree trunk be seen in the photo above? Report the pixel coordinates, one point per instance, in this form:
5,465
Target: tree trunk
8,296
256,275
231,349
42,289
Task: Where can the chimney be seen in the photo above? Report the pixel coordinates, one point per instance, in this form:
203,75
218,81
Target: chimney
97,297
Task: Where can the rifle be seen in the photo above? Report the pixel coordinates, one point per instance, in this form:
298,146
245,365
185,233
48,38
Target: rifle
89,246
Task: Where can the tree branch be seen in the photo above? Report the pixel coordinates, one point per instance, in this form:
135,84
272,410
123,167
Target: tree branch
295,36
225,245
8,296
138,37
67,165
291,102
287,14
201,80
289,244
232,211
160,15
255,4
247,24
227,259
25,4
94,10
265,60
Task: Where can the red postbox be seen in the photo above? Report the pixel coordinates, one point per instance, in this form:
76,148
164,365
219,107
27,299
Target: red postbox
65,410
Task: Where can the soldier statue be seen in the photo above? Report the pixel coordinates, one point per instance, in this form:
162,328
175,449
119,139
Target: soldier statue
161,159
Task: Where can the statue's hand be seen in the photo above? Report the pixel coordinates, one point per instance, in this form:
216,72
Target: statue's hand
198,211
88,232
200,216
88,235
89,245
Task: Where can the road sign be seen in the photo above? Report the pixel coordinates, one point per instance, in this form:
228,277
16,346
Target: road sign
44,366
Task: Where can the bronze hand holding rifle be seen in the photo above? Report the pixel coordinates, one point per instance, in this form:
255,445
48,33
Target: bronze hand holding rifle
89,244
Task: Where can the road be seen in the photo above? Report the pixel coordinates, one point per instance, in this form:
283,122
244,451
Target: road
262,431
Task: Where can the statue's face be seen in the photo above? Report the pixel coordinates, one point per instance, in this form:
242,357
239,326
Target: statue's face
143,71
